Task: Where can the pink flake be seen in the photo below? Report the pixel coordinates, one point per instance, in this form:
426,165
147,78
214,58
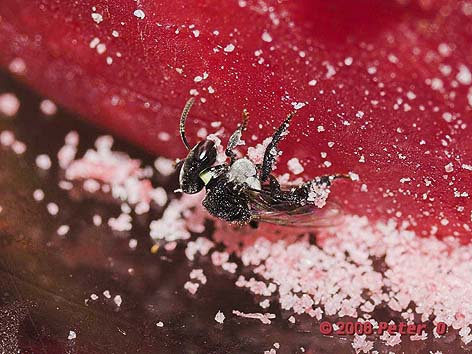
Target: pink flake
192,288
360,344
265,318
218,258
219,317
9,104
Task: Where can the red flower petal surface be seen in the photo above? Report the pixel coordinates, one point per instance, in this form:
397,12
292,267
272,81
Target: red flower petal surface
385,86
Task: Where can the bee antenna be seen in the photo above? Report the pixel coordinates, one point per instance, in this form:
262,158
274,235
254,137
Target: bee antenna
245,119
183,118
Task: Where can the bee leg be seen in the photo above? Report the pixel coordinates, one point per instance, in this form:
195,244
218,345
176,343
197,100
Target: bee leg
271,151
236,137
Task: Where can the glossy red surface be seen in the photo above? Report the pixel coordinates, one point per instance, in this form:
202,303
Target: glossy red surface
382,59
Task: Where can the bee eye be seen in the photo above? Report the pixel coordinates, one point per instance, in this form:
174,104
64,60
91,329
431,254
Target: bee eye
202,156
205,151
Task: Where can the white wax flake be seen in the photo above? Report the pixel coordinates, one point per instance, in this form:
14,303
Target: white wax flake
219,317
121,223
449,167
348,61
109,60
229,48
464,76
295,166
353,176
97,220
405,179
193,92
133,243
63,230
115,33
196,33
211,90
38,195
118,300
359,114
265,318
43,162
9,105
52,208
266,37
72,335
469,96
101,48
466,167
371,70
97,18
197,79
331,71
139,14
160,324
320,128
17,66
298,105
437,84
94,297
107,294
312,82
94,42
48,107
330,144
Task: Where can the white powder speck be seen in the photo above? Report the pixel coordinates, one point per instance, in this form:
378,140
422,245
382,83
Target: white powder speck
229,48
449,167
312,82
48,107
43,162
298,105
97,220
266,37
94,42
97,17
9,104
63,230
52,208
160,324
117,300
295,166
72,335
38,195
139,14
101,48
196,33
464,76
348,61
17,66
219,317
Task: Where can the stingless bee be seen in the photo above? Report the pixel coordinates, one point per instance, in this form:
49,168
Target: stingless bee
245,193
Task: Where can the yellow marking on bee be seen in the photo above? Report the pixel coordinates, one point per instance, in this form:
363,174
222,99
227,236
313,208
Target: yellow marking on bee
206,176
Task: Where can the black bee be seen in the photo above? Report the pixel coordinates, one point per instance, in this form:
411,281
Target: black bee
242,192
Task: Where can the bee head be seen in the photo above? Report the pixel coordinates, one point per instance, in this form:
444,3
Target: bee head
199,158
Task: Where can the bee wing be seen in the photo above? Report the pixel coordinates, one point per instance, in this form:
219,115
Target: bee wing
309,216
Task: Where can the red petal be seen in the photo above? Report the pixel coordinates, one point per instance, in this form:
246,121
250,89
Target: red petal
404,66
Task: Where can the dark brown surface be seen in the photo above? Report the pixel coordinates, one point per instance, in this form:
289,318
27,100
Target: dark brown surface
45,278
